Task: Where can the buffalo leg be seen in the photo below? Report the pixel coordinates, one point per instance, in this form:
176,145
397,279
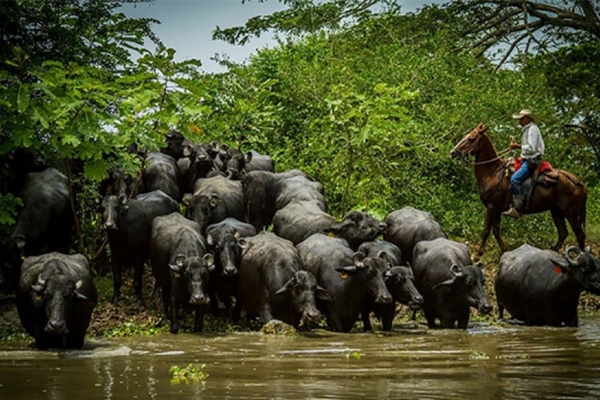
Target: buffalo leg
366,320
386,321
117,282
501,311
137,282
463,322
173,312
199,319
559,221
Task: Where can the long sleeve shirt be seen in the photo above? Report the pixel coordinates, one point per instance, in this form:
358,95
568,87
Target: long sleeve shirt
532,144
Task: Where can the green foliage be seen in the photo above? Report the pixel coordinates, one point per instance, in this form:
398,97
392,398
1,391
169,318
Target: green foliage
190,374
129,328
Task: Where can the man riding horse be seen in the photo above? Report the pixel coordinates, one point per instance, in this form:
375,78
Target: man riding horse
532,150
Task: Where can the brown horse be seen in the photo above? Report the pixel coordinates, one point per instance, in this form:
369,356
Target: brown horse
565,199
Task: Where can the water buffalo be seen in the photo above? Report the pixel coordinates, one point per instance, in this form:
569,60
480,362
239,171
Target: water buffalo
408,226
222,240
160,173
55,299
399,281
260,194
300,219
348,276
258,162
299,188
273,284
197,163
128,223
449,283
175,144
215,199
45,222
542,287
181,266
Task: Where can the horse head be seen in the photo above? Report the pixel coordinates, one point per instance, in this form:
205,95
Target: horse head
468,146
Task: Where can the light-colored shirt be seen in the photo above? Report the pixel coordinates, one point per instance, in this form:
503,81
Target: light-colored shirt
532,144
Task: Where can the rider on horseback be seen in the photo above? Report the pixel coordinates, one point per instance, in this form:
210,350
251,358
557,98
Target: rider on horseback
532,150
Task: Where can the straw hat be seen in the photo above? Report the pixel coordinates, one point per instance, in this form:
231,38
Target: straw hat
524,113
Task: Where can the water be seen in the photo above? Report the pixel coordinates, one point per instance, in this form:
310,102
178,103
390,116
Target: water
485,362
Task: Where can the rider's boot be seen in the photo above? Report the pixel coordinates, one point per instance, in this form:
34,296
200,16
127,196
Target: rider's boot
515,209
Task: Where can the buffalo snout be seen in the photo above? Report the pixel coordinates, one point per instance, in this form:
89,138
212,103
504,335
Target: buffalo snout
311,317
230,270
384,298
485,308
198,299
416,302
110,226
56,326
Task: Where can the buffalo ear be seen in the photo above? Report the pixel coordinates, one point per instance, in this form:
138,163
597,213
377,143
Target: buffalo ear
210,261
350,269
81,296
37,288
187,199
562,263
323,294
479,265
210,240
248,157
242,243
214,201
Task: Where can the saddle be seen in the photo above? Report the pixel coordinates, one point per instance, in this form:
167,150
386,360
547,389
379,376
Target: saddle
544,174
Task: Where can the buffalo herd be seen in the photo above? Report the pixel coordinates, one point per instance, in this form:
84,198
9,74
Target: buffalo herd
223,232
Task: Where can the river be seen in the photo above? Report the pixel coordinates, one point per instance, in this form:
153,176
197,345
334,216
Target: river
484,362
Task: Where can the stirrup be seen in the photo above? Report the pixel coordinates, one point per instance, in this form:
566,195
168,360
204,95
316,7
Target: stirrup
512,212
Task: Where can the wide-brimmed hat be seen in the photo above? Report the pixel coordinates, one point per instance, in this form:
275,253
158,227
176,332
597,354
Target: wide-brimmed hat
524,113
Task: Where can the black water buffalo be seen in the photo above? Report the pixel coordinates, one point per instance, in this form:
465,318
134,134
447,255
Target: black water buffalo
197,163
55,299
273,284
128,223
449,283
175,144
399,281
542,287
300,219
215,199
230,161
222,240
258,162
15,165
181,266
260,194
299,188
160,173
348,276
117,183
408,226
45,222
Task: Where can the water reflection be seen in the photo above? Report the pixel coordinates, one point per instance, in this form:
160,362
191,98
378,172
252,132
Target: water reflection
485,362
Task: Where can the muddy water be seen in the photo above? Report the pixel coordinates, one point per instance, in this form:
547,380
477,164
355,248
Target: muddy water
485,362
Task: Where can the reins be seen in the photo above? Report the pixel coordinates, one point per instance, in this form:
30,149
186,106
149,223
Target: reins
501,153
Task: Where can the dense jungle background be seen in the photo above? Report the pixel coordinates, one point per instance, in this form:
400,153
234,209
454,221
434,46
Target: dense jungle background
367,100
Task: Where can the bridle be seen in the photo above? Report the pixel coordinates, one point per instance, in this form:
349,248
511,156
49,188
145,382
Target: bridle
466,152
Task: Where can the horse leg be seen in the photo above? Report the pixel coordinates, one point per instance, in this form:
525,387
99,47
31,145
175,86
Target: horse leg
559,221
576,223
496,219
492,223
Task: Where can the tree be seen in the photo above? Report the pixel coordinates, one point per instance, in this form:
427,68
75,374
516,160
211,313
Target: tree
71,90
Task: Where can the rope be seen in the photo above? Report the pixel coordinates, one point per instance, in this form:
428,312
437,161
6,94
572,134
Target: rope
500,154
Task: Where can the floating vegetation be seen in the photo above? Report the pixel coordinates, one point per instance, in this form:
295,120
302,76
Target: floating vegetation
479,355
190,374
356,354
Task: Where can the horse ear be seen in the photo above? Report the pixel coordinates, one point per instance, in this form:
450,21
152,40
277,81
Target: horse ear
481,128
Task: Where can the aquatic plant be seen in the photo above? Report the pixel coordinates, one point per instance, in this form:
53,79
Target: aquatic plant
189,374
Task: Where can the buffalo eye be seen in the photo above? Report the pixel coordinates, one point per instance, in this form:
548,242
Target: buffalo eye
469,281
